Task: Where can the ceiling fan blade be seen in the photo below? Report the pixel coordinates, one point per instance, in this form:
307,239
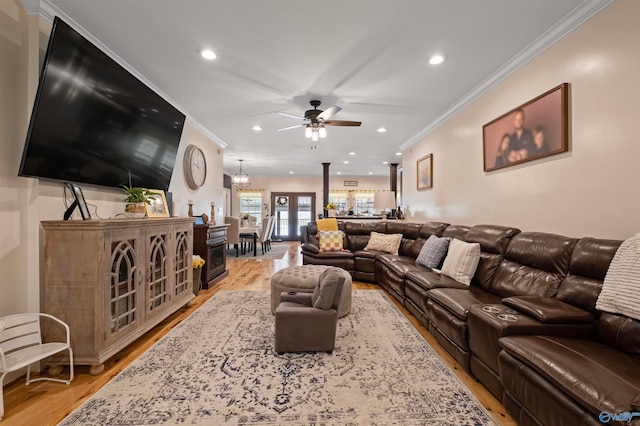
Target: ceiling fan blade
342,123
286,114
329,112
290,127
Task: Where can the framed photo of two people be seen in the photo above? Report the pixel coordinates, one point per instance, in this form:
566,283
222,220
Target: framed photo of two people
536,129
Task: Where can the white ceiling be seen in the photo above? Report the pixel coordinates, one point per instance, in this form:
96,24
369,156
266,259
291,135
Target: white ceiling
368,56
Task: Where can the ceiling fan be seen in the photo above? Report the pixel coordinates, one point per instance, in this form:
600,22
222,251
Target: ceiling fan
316,120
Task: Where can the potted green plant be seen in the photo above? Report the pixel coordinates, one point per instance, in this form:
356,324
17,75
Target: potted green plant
136,199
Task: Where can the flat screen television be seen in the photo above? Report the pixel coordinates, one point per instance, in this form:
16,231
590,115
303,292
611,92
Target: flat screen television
94,122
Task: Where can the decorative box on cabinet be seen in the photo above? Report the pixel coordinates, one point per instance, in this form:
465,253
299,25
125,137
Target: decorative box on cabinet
113,280
209,241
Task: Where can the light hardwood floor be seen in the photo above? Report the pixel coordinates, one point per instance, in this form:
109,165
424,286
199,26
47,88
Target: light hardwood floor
47,403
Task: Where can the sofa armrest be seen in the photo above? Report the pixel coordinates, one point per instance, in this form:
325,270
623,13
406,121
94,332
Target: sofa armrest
548,310
311,248
635,402
294,297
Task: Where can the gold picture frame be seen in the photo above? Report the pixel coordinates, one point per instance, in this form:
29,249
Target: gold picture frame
158,206
534,130
424,172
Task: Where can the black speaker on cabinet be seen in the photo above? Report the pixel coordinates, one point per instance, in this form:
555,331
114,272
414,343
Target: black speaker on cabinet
169,196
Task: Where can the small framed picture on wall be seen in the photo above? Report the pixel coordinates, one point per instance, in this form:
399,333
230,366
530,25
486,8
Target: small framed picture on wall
424,175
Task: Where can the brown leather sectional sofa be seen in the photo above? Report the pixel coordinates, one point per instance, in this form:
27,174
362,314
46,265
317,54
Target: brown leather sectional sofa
526,327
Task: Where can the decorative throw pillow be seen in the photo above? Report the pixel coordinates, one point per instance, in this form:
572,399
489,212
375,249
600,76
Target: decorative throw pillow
388,243
330,224
461,261
433,252
330,241
325,292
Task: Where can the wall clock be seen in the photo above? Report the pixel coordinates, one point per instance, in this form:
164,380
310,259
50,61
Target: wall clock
195,167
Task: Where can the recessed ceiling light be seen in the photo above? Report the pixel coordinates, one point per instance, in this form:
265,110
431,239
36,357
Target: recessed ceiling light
339,173
381,130
398,153
256,128
385,162
208,54
370,173
352,153
346,162
290,173
436,59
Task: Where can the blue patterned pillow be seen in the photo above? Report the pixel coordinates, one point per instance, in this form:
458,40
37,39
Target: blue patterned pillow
433,252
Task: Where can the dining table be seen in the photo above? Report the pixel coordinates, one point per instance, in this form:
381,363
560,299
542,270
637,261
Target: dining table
251,232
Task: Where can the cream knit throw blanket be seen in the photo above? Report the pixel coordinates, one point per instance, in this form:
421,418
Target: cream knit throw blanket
621,288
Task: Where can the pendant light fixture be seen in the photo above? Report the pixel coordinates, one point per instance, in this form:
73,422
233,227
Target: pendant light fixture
240,179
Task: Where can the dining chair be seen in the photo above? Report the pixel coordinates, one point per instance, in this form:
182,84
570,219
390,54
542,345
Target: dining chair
233,232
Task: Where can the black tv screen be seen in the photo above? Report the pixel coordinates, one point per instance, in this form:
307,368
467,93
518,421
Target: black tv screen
94,122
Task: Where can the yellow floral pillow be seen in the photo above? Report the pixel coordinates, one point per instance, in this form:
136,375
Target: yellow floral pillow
331,241
389,243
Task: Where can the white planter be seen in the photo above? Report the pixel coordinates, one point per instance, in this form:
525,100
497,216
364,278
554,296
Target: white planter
135,211
331,212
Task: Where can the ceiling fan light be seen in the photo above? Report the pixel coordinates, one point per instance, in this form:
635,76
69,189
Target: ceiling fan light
307,132
314,136
322,132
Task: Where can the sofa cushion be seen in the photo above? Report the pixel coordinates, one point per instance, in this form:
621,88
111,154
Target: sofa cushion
325,293
456,231
428,279
311,248
620,332
597,376
492,238
432,228
461,261
459,301
330,240
433,252
388,243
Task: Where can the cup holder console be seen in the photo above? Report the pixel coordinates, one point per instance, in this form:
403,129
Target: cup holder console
507,317
501,312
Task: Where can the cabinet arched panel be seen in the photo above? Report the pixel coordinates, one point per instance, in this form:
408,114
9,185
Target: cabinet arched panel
113,280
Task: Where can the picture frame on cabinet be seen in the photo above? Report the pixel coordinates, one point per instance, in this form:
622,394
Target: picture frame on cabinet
536,129
424,172
157,206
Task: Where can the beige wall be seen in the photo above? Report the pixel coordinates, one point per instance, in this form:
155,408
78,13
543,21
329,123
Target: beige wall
592,190
24,202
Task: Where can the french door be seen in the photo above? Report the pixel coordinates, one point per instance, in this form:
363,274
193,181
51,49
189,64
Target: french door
291,210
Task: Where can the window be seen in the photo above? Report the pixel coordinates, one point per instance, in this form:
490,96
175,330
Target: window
251,202
363,202
340,199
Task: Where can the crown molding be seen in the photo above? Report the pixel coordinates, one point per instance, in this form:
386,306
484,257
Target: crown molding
575,18
48,11
31,7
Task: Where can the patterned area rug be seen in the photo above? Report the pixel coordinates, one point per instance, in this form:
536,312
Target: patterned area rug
277,252
218,367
